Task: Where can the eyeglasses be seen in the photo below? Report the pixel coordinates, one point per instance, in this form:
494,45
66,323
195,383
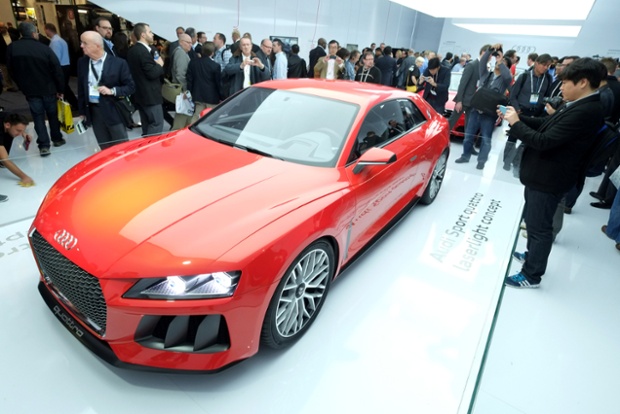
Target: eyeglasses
106,28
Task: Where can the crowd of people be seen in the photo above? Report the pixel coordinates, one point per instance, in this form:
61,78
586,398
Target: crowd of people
556,113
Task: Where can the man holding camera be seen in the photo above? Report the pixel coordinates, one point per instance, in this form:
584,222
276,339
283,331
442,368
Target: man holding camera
498,80
528,98
556,149
330,66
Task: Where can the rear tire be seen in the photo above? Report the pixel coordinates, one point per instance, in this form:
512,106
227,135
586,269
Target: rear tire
300,295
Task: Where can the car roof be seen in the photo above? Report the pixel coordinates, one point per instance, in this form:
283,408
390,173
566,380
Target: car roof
363,94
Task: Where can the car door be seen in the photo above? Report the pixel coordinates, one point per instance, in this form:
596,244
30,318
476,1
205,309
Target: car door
381,191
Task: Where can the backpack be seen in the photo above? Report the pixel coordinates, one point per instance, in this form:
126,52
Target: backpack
603,148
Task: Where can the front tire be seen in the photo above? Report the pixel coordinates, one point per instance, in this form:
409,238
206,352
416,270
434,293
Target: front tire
299,296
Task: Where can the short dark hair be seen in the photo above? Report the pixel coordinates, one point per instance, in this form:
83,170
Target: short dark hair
199,34
221,36
449,56
208,49
51,27
295,49
26,29
343,53
433,63
610,63
15,119
510,53
544,58
331,42
190,31
584,68
100,19
387,51
484,48
138,29
532,56
278,41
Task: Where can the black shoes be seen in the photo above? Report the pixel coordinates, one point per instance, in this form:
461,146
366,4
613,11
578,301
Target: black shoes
601,204
461,160
480,166
596,195
3,198
60,142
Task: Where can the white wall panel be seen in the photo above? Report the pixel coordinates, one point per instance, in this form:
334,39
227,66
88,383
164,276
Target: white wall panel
359,22
599,36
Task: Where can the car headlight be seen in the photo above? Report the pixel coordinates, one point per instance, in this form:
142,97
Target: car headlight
207,286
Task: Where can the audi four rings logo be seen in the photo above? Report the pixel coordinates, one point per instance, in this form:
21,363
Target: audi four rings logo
524,48
65,239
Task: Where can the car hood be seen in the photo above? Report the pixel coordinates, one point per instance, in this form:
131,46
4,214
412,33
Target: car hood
186,196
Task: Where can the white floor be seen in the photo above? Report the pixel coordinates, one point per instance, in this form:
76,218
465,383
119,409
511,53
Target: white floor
401,332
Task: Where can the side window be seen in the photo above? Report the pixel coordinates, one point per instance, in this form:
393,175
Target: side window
383,123
411,114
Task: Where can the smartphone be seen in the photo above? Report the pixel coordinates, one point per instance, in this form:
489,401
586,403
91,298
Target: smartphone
502,109
332,57
26,144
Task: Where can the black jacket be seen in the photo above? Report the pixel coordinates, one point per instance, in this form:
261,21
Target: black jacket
234,73
468,83
314,56
556,147
115,74
204,80
440,97
146,74
35,68
387,66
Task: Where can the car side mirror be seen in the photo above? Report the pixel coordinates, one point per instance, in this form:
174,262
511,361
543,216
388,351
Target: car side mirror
205,111
374,156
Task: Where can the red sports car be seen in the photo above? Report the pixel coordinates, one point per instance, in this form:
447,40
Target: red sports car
188,250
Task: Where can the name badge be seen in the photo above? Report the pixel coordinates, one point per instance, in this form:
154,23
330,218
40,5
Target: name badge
534,99
93,94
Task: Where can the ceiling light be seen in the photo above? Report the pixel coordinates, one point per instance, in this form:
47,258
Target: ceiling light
485,9
523,29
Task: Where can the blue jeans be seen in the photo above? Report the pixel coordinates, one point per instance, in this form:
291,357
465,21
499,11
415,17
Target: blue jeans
613,225
39,107
538,214
478,122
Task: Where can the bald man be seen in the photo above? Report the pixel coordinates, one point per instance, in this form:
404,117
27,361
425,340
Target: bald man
102,78
180,62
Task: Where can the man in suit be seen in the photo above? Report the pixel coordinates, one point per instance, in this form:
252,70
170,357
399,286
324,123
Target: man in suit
6,38
315,54
104,28
101,78
437,84
146,72
387,65
266,47
556,150
245,68
38,74
204,80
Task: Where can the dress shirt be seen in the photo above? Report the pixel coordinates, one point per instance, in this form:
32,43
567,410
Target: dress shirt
280,68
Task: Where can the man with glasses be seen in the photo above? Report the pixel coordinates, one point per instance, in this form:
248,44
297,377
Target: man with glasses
104,28
368,72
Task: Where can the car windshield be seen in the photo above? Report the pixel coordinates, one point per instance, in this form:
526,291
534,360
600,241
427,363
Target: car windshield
292,126
455,79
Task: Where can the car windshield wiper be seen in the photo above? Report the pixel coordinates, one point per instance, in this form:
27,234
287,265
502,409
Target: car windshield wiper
254,151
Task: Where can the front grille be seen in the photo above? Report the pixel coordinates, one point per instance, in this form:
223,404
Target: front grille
79,290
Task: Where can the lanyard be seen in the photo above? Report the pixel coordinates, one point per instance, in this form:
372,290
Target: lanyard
540,84
92,67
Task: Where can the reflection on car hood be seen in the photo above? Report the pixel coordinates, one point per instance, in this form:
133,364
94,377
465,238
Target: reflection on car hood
115,201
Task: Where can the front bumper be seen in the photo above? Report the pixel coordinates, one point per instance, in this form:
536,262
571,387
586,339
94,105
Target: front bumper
153,359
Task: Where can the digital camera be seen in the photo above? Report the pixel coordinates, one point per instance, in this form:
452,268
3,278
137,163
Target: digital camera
555,102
